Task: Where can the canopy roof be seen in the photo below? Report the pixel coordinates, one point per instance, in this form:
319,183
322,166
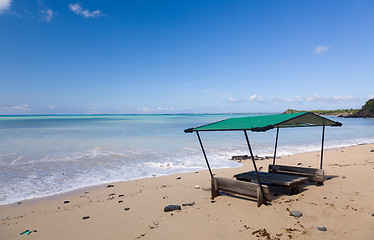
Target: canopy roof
267,122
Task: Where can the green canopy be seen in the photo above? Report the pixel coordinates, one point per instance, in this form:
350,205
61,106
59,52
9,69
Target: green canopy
267,122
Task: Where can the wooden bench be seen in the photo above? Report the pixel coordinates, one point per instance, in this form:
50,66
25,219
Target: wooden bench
313,174
283,180
240,187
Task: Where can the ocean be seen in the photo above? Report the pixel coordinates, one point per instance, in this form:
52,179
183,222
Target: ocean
46,155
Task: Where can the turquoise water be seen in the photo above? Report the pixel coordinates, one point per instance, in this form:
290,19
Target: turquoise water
45,155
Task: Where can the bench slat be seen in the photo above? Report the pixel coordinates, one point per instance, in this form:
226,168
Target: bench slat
313,174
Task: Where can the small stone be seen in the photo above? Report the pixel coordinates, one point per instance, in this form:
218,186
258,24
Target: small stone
299,163
323,229
110,185
121,195
112,194
372,150
197,172
66,202
126,209
372,214
197,187
212,201
178,178
260,168
188,204
85,217
296,214
343,176
120,201
170,208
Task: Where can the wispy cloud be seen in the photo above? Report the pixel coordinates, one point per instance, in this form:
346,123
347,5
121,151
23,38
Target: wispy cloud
5,5
23,108
257,98
47,14
77,9
157,109
321,49
231,100
51,107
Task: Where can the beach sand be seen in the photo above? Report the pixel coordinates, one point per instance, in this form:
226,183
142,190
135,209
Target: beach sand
344,205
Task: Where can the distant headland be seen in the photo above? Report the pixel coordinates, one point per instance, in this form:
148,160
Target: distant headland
367,111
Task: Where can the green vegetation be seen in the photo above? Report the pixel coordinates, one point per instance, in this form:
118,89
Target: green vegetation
328,112
367,111
369,106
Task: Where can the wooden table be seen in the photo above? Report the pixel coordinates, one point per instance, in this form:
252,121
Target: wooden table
278,179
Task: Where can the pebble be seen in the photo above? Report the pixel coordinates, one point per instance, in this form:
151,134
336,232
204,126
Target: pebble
299,163
188,204
126,209
296,214
85,217
178,178
212,201
120,201
323,229
170,208
110,185
372,214
66,202
121,195
197,187
372,150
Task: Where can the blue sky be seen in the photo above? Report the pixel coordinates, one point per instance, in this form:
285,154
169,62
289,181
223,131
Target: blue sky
184,56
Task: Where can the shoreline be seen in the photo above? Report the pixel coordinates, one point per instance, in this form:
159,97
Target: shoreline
343,205
99,185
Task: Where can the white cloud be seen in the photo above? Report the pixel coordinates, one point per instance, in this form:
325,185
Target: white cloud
321,49
77,9
23,107
315,98
47,14
257,98
5,5
51,107
232,100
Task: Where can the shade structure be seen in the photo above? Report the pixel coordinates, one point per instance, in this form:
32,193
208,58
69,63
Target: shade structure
267,122
262,124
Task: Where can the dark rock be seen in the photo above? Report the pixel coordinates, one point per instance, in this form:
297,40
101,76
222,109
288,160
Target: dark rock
179,178
372,214
126,209
212,201
188,204
112,194
299,163
85,217
121,195
110,185
170,208
66,201
372,150
296,214
260,168
323,229
120,201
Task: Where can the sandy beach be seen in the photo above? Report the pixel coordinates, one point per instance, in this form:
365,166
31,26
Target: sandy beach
135,209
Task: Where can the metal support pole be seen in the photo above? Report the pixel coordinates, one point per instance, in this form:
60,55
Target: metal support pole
254,164
323,140
206,159
276,144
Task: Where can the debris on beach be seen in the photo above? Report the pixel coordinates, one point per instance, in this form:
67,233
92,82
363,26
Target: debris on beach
121,195
188,204
27,232
197,187
178,178
110,185
85,217
120,201
170,208
66,202
296,214
127,209
323,229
